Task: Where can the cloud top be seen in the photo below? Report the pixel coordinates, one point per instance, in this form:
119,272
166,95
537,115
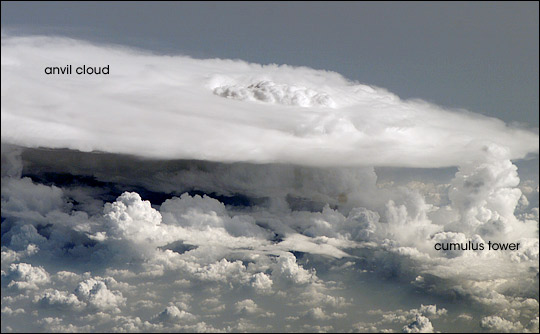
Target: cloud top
270,92
176,107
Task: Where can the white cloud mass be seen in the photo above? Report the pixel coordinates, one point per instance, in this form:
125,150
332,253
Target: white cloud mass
186,195
176,107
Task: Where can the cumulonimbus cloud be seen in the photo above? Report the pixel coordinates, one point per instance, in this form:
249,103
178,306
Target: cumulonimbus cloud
113,242
176,107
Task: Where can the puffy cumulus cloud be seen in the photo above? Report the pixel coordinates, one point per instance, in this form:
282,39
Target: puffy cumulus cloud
485,195
9,256
287,269
416,320
67,276
50,324
173,314
59,299
317,314
400,316
223,271
533,325
319,294
362,327
20,237
431,310
131,218
499,325
420,325
258,255
202,213
25,276
166,106
261,282
6,310
246,306
96,293
231,266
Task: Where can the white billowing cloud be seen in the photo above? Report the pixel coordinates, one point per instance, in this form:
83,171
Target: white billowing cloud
417,320
59,299
9,256
500,325
6,310
129,217
25,276
205,212
246,306
486,195
226,262
261,283
317,313
289,270
96,293
176,107
431,311
534,325
50,324
421,324
173,314
223,271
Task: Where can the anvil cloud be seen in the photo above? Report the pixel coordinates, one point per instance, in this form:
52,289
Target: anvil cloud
176,107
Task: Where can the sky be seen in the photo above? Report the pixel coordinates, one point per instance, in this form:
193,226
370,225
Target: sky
270,167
